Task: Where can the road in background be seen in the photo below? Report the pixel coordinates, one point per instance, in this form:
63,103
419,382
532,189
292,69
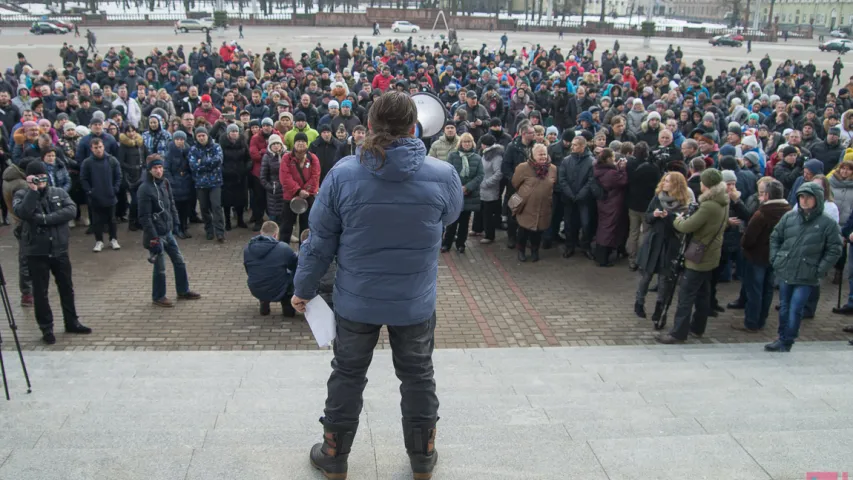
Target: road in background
44,49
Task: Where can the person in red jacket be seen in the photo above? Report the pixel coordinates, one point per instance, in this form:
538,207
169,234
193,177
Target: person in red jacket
257,148
206,110
383,81
287,62
299,177
628,76
226,52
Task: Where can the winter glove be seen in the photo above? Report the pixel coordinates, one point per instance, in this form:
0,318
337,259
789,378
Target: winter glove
155,247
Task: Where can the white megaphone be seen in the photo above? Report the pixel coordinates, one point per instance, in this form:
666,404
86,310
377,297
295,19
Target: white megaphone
431,114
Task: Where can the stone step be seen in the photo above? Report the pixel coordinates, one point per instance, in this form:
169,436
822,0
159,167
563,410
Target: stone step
689,411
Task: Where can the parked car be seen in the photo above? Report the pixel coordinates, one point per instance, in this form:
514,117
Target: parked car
404,26
68,25
188,24
837,34
841,46
725,40
40,28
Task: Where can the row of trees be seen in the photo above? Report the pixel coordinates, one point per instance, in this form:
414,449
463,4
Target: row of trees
533,9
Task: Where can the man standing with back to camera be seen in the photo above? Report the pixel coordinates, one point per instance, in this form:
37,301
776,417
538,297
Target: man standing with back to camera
381,213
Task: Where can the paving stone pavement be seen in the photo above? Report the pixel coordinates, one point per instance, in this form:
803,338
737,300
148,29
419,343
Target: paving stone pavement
486,299
703,411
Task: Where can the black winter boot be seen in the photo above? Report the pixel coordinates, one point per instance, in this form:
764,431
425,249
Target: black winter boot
640,309
534,254
522,257
47,336
240,222
330,457
420,445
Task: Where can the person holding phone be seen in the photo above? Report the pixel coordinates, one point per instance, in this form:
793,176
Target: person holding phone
45,212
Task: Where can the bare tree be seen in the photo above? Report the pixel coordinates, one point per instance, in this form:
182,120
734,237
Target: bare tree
603,10
583,11
526,8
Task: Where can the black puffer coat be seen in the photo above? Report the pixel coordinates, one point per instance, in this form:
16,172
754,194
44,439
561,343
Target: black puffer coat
236,165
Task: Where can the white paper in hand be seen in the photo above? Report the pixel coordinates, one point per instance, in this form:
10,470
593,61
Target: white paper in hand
321,319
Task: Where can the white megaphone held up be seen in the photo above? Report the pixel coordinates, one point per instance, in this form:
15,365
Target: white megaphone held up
431,114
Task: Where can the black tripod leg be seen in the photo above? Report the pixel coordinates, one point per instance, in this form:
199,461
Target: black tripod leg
3,369
670,294
14,327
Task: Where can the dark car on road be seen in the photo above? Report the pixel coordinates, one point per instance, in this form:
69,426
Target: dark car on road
727,40
40,28
841,45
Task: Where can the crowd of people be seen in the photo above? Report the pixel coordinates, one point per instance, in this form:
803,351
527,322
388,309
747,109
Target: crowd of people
590,149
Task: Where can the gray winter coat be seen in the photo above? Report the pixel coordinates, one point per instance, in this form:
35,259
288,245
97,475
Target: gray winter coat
490,187
470,182
635,121
843,192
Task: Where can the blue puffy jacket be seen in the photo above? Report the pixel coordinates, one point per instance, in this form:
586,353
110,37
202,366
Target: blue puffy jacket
178,172
270,265
206,164
384,225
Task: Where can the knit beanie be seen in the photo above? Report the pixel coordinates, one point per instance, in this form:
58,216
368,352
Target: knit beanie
179,134
232,128
267,122
729,176
300,137
487,140
153,161
711,177
36,168
199,130
275,139
752,157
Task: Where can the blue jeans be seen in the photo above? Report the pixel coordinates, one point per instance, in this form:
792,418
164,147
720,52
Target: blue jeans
792,300
182,283
758,288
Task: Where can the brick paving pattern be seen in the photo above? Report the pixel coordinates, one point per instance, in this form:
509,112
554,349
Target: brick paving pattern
486,299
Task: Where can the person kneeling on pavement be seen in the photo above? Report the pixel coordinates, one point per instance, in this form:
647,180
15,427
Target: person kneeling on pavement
270,265
44,212
158,217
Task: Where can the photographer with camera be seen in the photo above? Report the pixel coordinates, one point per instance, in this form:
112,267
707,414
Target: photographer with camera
157,217
702,256
45,212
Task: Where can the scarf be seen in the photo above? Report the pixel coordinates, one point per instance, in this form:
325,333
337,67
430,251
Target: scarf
466,168
670,204
837,183
541,169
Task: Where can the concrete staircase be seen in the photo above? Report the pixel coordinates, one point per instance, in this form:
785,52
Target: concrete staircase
682,413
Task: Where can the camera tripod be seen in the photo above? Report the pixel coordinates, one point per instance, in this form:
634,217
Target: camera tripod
14,327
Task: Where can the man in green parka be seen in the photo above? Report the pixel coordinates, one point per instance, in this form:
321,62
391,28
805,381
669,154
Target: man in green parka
707,225
804,245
